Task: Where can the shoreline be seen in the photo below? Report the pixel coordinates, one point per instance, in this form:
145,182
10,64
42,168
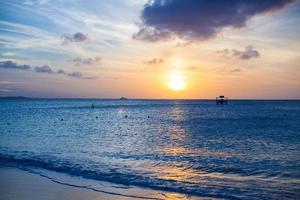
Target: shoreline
19,184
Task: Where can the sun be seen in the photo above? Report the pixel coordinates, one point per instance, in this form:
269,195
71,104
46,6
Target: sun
176,85
176,81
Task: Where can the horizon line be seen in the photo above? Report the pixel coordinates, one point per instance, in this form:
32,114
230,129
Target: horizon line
127,98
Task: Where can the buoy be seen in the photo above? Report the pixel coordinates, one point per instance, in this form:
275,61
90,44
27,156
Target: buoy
8,123
96,117
126,116
61,119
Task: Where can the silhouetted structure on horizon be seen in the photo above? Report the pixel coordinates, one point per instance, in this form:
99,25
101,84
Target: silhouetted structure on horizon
221,100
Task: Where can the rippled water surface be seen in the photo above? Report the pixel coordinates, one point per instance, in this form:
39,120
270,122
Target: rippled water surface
246,149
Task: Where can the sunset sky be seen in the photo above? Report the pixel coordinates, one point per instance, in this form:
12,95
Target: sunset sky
158,49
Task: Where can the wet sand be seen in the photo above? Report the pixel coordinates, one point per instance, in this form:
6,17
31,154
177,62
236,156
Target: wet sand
17,184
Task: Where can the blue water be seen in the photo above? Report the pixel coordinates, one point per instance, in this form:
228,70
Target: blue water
246,149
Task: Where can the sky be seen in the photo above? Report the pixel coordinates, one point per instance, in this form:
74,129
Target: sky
173,49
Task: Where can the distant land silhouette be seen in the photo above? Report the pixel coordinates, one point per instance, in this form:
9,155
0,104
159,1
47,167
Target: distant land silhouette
22,97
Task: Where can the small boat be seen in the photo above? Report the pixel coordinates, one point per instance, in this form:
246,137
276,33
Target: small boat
221,100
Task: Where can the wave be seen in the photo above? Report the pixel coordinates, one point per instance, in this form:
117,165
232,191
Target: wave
214,184
89,187
112,177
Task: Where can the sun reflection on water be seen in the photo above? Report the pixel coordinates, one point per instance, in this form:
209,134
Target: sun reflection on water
178,150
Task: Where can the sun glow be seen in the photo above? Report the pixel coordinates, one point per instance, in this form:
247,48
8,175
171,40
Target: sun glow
176,81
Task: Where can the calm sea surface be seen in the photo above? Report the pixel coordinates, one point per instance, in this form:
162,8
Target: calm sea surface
246,149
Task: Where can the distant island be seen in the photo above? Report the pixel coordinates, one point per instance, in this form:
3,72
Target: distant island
123,98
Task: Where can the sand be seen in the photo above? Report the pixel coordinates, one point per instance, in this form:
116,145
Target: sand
17,184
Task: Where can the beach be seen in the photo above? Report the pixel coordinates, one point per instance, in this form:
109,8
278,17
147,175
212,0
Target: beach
22,185
17,184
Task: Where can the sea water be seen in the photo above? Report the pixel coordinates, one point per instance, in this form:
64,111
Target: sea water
247,149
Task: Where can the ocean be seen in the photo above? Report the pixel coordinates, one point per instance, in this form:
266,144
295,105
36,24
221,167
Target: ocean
248,149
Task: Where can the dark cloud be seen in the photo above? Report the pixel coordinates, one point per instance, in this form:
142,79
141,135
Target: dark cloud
198,19
60,71
86,61
224,52
152,35
75,74
247,54
79,75
12,65
154,61
76,37
44,69
71,74
235,70
48,70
